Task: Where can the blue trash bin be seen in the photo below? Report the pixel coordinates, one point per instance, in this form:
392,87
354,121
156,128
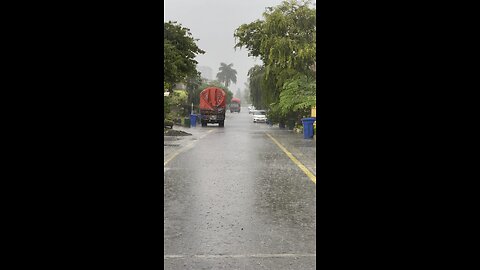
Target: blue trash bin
193,120
308,127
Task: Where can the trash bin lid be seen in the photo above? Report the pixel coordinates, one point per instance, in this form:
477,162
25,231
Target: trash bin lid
308,119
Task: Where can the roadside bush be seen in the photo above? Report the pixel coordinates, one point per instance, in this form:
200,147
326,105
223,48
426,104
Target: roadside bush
299,128
274,115
166,107
177,103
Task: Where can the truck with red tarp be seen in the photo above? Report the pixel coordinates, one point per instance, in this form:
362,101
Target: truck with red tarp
235,105
212,106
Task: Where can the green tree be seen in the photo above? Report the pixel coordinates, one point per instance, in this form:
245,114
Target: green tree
194,87
285,41
286,38
246,93
229,95
257,84
179,51
178,104
303,86
227,74
166,104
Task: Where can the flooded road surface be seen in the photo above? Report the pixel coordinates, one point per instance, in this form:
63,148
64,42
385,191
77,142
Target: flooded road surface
234,200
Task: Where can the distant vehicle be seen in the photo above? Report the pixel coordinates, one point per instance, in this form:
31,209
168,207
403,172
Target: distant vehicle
259,116
212,106
251,109
235,105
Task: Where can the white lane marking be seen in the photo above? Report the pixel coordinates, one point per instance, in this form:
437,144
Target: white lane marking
239,256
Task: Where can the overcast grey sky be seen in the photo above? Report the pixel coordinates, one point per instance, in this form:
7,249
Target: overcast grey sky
213,23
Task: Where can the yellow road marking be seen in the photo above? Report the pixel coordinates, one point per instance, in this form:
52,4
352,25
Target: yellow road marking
295,160
171,157
184,148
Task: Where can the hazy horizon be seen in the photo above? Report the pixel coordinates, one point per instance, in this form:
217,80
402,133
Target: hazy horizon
213,22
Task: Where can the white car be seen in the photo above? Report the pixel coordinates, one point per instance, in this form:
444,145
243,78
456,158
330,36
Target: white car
259,116
251,109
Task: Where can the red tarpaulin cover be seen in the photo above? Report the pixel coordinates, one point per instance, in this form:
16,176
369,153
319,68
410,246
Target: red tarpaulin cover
212,98
237,100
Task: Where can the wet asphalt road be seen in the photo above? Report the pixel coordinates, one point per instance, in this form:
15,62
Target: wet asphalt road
234,200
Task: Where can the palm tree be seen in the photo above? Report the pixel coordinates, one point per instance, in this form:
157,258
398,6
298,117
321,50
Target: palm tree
227,74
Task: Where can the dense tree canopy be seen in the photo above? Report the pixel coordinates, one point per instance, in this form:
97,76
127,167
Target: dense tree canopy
179,53
300,85
255,77
286,38
285,41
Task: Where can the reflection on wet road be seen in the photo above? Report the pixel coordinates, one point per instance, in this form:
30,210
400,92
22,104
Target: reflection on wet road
235,200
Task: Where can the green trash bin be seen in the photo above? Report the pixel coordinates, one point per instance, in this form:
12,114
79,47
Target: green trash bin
186,122
291,124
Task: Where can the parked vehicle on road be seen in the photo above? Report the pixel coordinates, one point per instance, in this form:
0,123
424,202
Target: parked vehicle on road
251,109
259,116
235,105
212,106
